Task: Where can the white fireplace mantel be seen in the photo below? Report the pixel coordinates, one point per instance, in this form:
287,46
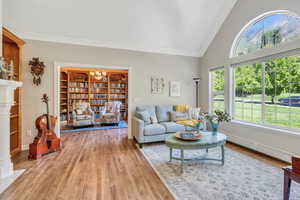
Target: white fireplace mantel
7,88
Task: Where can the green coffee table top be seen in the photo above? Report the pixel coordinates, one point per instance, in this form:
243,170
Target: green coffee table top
207,141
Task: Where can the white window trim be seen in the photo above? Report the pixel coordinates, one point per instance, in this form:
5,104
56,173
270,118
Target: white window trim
211,92
294,131
253,21
232,86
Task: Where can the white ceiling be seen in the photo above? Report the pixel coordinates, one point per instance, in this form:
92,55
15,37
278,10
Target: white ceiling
180,27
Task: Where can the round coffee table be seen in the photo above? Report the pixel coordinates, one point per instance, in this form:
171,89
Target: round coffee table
206,142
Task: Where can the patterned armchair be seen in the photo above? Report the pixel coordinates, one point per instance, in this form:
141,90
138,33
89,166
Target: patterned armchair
83,115
111,113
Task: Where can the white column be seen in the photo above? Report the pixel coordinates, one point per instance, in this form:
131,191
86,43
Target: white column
6,101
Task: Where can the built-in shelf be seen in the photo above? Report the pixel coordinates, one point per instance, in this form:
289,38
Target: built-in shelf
96,92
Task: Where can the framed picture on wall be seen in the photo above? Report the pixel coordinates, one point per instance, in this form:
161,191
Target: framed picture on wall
175,88
157,85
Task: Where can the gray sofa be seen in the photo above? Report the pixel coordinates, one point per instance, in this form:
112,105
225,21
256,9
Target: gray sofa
146,132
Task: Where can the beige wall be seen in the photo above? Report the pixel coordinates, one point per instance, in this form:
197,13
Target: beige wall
1,27
144,65
277,143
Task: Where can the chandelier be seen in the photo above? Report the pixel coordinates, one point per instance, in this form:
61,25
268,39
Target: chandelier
98,75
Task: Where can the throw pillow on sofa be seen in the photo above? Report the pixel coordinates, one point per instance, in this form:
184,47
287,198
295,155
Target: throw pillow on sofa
145,116
153,119
179,116
163,113
194,113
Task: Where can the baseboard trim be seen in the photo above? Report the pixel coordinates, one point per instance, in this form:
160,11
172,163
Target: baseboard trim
262,148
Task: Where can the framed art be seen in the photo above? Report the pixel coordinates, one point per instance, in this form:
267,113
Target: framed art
175,89
157,85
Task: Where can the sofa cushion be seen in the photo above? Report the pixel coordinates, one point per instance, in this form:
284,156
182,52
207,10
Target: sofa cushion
172,127
179,116
163,113
154,129
144,115
149,108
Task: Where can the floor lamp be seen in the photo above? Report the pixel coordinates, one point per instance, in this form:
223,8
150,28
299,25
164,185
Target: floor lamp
197,80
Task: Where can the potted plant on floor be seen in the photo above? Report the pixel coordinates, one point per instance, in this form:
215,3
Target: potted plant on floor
216,118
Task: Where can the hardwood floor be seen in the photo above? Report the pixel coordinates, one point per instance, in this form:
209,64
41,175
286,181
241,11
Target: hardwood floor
102,165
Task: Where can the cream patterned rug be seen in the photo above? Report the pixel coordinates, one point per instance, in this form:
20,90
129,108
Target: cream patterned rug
241,178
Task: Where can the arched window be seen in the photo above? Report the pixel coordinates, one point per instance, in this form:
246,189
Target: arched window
267,31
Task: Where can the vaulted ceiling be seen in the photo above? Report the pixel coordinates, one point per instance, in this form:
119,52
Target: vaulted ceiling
180,27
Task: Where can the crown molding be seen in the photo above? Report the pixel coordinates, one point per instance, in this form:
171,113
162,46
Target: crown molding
104,44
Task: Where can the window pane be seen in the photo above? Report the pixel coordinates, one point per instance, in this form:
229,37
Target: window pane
218,102
282,78
218,89
268,32
248,93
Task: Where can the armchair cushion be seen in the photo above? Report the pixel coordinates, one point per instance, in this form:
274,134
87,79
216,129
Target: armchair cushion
83,115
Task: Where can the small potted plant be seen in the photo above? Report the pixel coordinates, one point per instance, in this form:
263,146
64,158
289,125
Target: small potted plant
216,118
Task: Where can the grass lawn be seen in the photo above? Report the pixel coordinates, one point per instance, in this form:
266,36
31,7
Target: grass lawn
275,114
258,97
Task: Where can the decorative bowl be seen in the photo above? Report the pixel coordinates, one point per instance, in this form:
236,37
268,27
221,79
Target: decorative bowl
188,136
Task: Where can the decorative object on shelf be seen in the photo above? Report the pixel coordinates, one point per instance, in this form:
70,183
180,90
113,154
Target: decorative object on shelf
217,118
37,70
99,75
157,85
175,88
46,141
6,70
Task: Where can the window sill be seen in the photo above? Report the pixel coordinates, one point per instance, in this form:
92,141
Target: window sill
282,131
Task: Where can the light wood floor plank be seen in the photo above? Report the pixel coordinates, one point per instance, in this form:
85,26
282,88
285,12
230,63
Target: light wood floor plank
100,165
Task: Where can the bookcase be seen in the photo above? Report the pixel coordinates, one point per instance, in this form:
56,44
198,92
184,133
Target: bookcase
83,86
12,48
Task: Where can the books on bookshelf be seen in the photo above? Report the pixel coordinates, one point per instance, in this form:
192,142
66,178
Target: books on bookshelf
98,96
118,85
97,102
117,96
78,84
79,96
81,86
99,85
78,90
113,90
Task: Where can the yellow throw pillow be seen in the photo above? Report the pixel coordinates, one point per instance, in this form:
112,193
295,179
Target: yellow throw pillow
191,122
182,108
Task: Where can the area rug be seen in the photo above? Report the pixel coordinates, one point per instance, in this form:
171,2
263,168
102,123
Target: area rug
122,124
241,178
